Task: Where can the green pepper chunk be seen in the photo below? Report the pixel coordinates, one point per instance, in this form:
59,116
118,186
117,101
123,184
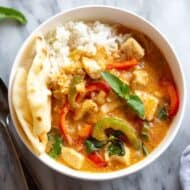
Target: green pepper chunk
116,124
72,90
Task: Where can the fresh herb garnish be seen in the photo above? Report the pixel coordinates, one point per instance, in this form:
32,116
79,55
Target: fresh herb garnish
135,103
92,145
163,113
116,147
56,147
55,142
116,84
145,132
122,90
11,13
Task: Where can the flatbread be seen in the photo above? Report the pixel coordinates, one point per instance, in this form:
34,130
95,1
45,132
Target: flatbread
38,94
22,110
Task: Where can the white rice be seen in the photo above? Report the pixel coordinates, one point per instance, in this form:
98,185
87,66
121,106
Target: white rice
82,36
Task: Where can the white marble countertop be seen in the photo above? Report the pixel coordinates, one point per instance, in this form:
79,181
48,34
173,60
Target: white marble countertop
173,19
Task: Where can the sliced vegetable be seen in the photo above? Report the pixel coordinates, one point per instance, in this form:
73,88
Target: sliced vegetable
145,132
173,95
72,95
163,113
85,131
62,125
122,65
98,86
122,90
56,147
92,145
11,13
116,147
116,124
96,158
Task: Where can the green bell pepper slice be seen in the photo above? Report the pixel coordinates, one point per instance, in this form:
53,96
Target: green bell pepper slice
116,124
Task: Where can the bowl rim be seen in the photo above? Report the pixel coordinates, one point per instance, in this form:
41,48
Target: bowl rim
115,174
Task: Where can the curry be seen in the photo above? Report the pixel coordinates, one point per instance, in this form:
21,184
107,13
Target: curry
111,102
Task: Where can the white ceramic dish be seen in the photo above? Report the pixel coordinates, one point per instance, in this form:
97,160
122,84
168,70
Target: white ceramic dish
115,15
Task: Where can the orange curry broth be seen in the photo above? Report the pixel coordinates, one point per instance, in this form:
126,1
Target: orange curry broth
156,67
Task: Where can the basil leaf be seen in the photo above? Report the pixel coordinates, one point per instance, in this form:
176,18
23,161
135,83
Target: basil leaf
6,12
122,90
92,145
163,113
117,85
56,147
116,147
136,104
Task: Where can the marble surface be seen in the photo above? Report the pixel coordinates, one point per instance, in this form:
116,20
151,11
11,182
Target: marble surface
173,19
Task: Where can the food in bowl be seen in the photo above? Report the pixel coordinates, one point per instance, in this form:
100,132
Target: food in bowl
95,96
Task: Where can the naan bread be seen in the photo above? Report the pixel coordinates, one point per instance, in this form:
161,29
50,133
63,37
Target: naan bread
22,110
38,94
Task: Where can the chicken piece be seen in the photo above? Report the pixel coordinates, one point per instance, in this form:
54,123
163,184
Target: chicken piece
88,106
72,157
140,77
133,49
91,67
125,159
150,104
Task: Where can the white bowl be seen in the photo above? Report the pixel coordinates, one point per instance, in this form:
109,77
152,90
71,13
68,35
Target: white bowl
108,14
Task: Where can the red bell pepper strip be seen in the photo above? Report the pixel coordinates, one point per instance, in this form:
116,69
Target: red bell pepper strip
79,97
93,87
98,86
125,65
96,158
62,126
173,95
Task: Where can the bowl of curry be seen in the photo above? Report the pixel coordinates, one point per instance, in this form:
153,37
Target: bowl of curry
97,97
